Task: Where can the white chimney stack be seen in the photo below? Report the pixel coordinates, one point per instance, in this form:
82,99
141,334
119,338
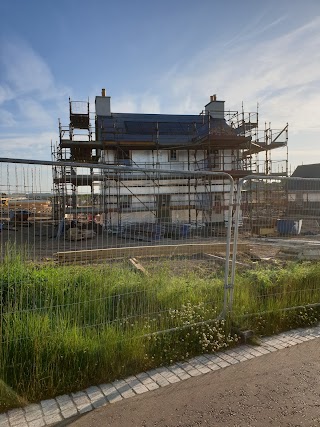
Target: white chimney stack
103,104
215,108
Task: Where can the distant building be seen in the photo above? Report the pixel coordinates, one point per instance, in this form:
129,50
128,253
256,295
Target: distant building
307,171
306,194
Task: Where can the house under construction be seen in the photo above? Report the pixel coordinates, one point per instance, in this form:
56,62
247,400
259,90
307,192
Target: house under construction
214,140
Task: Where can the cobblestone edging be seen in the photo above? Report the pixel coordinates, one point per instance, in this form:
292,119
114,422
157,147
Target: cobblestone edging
52,411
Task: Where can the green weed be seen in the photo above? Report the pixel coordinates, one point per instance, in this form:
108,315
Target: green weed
63,328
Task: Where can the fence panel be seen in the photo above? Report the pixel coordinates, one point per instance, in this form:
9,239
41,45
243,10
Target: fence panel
94,254
281,218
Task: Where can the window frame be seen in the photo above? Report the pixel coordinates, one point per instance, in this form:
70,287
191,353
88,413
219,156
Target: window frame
125,201
173,155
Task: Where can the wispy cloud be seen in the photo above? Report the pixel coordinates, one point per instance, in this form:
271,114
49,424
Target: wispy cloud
7,119
25,72
6,94
27,146
253,29
36,113
269,72
137,103
280,71
30,101
264,63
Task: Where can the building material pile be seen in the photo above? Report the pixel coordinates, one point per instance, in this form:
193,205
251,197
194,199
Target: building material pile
77,234
300,252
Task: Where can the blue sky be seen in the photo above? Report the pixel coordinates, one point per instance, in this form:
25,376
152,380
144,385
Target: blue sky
167,56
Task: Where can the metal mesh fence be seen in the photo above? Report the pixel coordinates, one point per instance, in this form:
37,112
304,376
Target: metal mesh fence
108,270
280,217
87,246
117,244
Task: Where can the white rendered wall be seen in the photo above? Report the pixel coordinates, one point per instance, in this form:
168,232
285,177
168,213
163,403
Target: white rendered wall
103,106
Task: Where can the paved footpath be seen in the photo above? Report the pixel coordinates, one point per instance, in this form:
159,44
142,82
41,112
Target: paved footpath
276,383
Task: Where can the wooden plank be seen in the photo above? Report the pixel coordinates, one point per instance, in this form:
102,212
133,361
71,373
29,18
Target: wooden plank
144,251
138,266
263,231
223,260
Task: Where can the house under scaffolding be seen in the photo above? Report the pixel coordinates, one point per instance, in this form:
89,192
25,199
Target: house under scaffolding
214,140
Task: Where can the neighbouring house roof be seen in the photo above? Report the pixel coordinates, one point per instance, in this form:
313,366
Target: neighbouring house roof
166,130
307,171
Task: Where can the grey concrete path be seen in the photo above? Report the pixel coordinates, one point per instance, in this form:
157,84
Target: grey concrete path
274,384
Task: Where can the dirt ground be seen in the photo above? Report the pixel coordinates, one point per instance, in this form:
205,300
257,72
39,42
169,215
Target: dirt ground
277,389
39,238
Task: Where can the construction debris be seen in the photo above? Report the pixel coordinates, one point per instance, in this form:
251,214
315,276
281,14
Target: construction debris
223,260
310,227
301,252
137,266
77,234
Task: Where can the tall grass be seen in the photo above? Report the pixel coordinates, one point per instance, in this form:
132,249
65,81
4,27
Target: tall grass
63,328
269,300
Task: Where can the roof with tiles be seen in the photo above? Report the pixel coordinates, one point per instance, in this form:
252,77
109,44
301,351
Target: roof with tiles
307,171
163,129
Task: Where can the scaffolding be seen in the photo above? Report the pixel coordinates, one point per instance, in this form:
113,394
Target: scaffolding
257,159
260,141
235,144
76,144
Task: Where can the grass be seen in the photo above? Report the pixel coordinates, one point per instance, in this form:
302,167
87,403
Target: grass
271,300
64,328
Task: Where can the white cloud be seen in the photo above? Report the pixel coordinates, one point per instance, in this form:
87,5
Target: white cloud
25,72
256,72
26,80
126,103
6,94
281,73
27,146
7,119
136,103
150,104
34,112
31,100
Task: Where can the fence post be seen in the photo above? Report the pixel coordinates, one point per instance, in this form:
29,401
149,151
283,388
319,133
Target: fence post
228,245
235,242
289,207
